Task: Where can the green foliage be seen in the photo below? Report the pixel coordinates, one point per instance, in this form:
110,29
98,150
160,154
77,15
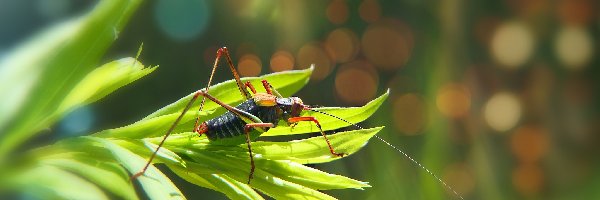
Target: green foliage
99,165
38,76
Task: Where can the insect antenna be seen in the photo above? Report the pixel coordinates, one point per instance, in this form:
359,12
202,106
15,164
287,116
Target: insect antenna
397,149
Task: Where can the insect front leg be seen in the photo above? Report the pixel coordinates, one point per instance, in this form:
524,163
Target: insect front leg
294,120
270,89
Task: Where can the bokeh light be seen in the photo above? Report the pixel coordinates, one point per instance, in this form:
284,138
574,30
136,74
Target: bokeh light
313,53
512,44
342,44
529,143
78,122
460,177
356,82
337,11
502,111
369,11
249,65
387,44
182,20
576,12
528,179
454,100
410,113
282,61
573,47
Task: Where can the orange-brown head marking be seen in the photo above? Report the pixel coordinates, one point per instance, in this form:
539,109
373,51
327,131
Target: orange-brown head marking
264,99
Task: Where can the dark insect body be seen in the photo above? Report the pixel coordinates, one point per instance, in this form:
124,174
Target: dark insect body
226,128
256,115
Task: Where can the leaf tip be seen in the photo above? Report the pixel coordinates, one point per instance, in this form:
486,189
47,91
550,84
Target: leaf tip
139,52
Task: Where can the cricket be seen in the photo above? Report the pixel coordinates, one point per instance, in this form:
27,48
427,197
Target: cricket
259,112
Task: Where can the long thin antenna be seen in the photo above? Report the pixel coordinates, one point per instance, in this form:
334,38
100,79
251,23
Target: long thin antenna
397,149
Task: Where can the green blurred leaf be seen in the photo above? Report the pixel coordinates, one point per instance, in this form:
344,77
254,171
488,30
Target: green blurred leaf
47,182
43,71
110,176
103,81
155,183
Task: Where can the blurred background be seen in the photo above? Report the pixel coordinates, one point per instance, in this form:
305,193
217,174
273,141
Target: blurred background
495,97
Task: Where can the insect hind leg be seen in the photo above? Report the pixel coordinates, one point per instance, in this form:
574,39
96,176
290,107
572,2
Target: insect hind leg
242,87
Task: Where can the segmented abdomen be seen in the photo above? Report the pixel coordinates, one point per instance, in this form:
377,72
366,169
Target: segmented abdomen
230,125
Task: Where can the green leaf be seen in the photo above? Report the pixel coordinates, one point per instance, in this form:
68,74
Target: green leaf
155,184
158,123
315,149
145,148
37,76
287,83
110,176
47,182
263,181
353,115
305,151
155,126
309,177
103,81
222,183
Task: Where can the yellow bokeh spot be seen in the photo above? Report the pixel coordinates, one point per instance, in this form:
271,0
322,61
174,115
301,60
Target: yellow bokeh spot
454,100
512,44
356,82
313,53
282,61
249,65
502,111
409,114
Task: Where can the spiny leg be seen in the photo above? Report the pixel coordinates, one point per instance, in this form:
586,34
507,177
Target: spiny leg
187,107
255,124
242,114
247,130
249,85
222,51
313,119
270,89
